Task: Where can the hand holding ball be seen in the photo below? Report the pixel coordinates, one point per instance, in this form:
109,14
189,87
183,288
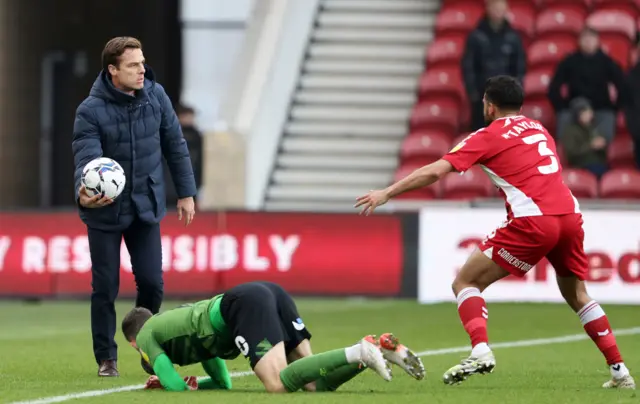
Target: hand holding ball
103,180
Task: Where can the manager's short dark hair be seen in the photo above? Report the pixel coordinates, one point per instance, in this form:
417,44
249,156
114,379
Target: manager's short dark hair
116,47
133,322
505,92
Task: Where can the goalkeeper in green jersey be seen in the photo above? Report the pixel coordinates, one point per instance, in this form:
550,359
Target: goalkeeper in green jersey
260,321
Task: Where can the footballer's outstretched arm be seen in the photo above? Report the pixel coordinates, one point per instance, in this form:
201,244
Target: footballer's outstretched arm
422,177
158,359
219,377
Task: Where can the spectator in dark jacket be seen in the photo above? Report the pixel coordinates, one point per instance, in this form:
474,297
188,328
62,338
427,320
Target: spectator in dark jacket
128,117
587,73
633,107
494,48
193,137
583,145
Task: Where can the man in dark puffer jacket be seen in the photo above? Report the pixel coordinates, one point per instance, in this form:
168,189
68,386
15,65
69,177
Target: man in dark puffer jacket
494,48
128,117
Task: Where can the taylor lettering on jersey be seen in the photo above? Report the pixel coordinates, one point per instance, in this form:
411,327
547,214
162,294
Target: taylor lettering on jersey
520,158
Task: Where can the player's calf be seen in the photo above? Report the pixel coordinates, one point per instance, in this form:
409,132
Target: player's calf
597,326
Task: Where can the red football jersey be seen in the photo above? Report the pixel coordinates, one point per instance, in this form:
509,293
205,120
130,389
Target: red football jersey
519,156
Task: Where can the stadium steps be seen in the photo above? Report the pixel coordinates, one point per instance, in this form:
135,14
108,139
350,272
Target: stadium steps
350,110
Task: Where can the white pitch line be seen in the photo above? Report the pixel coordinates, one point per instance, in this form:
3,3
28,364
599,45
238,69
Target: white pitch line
510,344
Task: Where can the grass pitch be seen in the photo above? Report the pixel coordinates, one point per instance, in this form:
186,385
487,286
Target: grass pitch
45,352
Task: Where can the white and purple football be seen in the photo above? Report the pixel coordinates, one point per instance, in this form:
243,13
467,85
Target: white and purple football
104,176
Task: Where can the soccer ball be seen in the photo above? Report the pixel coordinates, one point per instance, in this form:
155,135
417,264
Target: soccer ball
103,176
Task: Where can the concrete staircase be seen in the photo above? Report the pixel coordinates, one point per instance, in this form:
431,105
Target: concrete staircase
351,108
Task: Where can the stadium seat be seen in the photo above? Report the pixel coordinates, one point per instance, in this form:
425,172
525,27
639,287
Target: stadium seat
620,152
621,123
547,53
620,183
582,183
443,83
536,83
630,7
424,147
459,17
557,20
431,192
522,17
460,138
579,5
613,22
617,47
472,184
436,114
542,111
446,50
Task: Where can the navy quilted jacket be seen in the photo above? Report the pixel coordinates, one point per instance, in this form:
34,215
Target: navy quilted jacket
136,131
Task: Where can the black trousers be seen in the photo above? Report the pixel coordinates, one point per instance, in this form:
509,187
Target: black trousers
145,248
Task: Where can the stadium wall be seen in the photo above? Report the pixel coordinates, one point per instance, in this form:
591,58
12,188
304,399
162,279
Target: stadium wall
273,108
448,235
46,255
391,254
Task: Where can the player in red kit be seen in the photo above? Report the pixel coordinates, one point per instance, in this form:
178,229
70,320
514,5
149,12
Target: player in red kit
543,220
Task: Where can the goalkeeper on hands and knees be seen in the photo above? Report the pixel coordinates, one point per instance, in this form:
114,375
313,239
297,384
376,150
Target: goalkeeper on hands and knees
260,321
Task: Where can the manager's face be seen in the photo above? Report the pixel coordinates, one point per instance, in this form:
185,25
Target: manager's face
129,74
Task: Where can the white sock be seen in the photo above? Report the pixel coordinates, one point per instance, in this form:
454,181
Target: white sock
618,370
480,349
353,354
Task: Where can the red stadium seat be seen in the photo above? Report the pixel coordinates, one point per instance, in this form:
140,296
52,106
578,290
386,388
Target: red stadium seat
580,5
542,111
621,124
522,17
445,50
583,183
631,7
443,83
460,138
620,152
613,22
620,183
536,83
559,20
617,47
472,184
547,53
431,192
424,147
436,114
459,18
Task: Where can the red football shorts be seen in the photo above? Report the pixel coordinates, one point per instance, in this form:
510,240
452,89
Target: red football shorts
520,243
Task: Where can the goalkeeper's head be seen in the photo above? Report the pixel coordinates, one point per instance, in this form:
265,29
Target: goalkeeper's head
131,326
133,322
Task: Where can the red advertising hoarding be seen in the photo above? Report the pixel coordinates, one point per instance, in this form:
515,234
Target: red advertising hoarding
47,254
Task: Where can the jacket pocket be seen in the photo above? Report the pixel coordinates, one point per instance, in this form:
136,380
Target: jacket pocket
157,196
109,214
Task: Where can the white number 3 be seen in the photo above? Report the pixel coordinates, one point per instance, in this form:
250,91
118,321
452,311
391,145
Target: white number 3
541,139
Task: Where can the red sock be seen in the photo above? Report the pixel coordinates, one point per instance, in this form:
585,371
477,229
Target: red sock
473,313
597,326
